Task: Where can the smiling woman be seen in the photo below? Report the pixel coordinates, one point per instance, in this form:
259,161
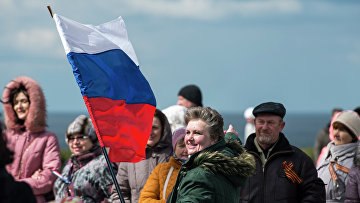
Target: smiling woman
21,103
86,171
216,168
36,149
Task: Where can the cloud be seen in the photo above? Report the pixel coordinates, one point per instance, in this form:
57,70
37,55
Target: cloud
6,4
191,9
36,41
212,9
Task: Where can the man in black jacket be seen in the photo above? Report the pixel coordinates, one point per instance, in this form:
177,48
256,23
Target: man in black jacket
283,172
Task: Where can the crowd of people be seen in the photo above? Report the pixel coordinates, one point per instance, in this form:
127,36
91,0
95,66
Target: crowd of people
189,156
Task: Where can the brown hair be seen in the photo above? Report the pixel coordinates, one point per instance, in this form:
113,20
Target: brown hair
211,117
14,92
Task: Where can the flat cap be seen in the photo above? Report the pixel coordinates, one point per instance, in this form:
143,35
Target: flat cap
270,108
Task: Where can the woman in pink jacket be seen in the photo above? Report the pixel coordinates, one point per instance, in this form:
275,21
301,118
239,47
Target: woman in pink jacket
36,150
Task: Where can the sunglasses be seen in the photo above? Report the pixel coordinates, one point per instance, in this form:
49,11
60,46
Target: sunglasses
80,138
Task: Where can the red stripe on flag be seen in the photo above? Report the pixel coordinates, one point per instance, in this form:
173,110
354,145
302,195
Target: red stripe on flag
125,128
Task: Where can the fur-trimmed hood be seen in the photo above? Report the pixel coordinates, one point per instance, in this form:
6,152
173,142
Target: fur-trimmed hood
232,161
36,119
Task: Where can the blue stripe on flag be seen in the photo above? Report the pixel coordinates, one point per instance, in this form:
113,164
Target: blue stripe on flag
111,74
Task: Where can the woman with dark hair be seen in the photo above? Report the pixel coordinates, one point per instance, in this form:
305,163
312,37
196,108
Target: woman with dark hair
10,189
334,169
217,167
133,176
86,171
36,150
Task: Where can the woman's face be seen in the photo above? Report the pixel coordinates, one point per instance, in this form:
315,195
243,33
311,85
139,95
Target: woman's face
341,135
181,151
79,144
21,105
155,132
197,136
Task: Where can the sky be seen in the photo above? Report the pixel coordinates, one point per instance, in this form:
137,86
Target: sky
304,54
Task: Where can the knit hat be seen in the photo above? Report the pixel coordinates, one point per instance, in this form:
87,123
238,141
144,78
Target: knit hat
351,120
179,133
248,113
192,93
81,125
176,116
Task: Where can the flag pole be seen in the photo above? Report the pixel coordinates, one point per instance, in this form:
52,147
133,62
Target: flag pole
112,174
104,151
50,11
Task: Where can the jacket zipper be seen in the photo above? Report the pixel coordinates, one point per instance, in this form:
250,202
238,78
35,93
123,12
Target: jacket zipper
21,158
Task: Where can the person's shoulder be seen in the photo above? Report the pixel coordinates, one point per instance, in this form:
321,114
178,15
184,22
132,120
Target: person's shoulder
162,169
100,158
45,135
49,134
198,173
162,165
301,154
98,168
98,162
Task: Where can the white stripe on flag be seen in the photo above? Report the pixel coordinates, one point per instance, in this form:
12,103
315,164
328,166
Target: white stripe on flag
90,39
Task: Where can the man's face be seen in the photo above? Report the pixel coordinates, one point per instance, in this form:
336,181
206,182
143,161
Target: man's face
268,128
184,102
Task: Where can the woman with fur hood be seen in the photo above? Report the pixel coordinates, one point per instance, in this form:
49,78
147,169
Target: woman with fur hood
133,176
37,151
217,167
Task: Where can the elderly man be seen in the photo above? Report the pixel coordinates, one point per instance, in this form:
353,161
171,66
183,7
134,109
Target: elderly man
283,172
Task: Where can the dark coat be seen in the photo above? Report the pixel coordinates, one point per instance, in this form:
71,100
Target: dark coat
214,174
352,193
12,191
271,184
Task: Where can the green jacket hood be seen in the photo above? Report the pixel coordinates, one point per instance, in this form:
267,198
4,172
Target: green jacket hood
225,158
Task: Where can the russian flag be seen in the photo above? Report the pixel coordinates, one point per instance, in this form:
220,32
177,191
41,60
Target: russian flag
119,99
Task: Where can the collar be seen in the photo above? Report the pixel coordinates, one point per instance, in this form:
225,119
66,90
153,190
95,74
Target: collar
261,151
81,160
281,145
341,152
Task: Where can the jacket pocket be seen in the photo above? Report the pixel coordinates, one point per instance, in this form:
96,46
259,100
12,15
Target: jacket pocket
285,189
32,161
